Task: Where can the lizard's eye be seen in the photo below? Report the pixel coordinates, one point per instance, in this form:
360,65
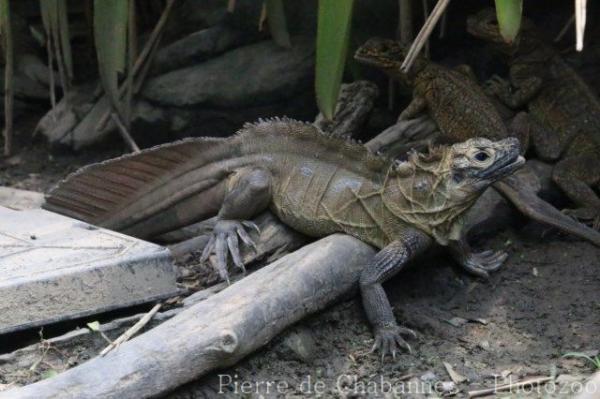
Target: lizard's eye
481,156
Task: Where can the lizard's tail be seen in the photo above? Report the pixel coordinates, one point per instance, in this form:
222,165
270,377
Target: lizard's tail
121,192
527,201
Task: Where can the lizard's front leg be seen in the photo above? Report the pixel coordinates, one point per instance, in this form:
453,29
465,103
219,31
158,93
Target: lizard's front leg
248,194
389,261
416,106
477,263
525,89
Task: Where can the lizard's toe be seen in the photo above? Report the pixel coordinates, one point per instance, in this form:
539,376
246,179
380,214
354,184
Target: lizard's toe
221,253
224,241
483,263
234,250
389,341
246,237
251,224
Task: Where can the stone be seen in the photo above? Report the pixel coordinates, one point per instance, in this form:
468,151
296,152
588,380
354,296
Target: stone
54,268
197,47
256,74
302,343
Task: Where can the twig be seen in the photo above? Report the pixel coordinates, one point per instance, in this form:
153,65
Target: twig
124,132
50,51
139,80
404,34
423,35
132,331
507,387
564,29
131,53
580,13
454,376
60,60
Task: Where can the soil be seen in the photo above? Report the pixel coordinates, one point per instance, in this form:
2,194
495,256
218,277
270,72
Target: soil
542,304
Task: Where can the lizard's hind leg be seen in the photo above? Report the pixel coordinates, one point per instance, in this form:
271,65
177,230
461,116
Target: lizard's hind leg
576,176
248,194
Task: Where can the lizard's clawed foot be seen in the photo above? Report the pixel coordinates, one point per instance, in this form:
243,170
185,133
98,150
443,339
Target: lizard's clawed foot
482,263
588,216
224,239
388,340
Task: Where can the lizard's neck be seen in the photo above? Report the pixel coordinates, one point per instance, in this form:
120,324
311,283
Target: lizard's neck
421,195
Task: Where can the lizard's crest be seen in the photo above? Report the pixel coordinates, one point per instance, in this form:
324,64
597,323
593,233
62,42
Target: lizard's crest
432,190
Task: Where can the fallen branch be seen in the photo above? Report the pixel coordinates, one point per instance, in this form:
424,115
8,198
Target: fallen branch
397,139
564,29
354,105
509,387
218,331
132,331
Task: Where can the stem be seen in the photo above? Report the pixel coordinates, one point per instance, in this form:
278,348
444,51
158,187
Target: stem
8,82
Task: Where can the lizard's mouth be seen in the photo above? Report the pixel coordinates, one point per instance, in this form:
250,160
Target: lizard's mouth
505,168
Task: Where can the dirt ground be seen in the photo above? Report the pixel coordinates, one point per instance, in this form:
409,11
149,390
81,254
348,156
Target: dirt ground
542,304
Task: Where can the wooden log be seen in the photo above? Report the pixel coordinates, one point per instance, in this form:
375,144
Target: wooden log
219,331
354,105
398,139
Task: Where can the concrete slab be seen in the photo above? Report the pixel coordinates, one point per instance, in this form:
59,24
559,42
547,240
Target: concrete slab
54,268
15,198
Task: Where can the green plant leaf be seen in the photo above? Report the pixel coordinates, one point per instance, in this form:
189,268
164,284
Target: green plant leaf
56,25
277,23
94,326
509,14
49,374
333,34
63,33
110,35
4,12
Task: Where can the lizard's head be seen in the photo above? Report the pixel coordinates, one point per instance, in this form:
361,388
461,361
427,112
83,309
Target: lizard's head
479,162
384,54
431,191
484,26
